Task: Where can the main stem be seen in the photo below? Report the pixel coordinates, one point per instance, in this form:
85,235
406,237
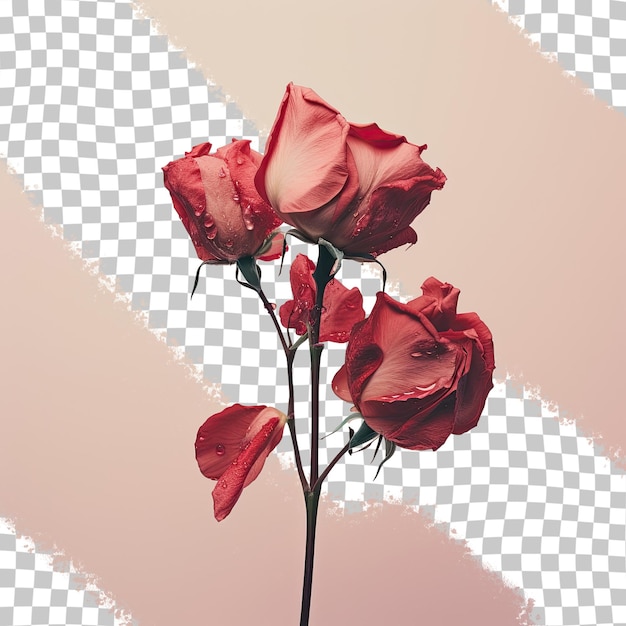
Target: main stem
312,500
322,276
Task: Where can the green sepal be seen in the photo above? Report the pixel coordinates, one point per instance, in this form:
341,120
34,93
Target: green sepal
334,252
351,417
370,258
364,435
298,235
390,448
251,271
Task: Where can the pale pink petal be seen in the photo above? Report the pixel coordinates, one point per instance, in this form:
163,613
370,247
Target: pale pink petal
304,166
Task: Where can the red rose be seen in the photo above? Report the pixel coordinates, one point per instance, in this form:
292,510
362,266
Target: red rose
342,307
215,197
231,448
354,185
418,372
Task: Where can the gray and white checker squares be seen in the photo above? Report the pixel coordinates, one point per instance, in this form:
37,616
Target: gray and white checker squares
93,103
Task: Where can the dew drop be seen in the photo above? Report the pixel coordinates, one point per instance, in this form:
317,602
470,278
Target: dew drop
236,198
200,438
222,172
224,484
211,232
239,160
220,449
199,210
208,221
273,306
229,243
247,217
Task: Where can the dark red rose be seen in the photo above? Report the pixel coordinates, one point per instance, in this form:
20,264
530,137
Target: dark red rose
215,197
342,307
418,372
231,447
355,185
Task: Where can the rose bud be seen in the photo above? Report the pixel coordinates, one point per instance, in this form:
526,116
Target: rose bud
231,447
418,372
215,197
342,307
354,185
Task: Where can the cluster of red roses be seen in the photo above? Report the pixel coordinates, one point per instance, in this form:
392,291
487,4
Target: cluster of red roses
416,372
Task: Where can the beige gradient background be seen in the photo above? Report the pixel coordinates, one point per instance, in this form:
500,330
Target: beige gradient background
99,420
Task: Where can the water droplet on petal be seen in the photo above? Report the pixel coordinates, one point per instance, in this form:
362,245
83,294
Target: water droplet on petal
247,217
239,160
229,243
208,221
222,172
200,438
236,198
199,210
211,232
273,305
220,449
223,484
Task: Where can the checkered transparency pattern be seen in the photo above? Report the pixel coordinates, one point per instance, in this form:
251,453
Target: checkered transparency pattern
93,103
586,37
33,592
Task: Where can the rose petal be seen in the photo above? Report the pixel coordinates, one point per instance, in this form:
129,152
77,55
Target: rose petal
343,308
305,159
275,251
219,439
230,485
340,385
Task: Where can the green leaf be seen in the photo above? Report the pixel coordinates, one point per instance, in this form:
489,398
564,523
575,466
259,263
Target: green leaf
251,272
364,435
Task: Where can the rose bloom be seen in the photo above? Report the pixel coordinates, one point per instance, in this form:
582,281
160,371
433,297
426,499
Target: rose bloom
231,447
418,372
355,185
342,307
215,197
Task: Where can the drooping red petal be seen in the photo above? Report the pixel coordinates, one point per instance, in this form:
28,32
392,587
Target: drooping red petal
219,439
230,485
295,313
343,308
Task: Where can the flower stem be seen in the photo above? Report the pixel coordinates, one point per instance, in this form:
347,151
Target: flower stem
322,276
312,500
290,356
